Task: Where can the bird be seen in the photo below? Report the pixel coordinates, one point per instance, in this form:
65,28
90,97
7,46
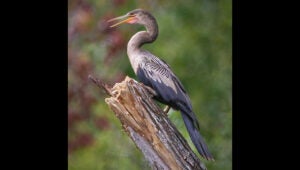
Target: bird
157,74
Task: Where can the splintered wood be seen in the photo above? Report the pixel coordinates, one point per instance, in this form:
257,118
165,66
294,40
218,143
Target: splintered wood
149,128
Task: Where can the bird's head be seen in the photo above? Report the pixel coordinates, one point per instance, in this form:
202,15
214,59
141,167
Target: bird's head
137,16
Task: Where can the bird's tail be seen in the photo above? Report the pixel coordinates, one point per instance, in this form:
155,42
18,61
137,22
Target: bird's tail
196,136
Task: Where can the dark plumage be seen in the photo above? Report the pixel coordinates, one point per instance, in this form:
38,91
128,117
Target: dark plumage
156,74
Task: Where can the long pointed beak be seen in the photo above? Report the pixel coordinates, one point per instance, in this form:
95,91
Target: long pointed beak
127,19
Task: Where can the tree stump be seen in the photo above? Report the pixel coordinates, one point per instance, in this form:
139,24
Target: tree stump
149,127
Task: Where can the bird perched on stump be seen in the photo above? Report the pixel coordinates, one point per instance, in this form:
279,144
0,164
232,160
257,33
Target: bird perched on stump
156,74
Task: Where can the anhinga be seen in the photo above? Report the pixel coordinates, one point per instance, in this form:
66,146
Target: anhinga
156,74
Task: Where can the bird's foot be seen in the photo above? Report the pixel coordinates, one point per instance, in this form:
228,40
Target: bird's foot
166,109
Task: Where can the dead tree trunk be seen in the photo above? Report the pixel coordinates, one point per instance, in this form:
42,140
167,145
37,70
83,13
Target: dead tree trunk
149,127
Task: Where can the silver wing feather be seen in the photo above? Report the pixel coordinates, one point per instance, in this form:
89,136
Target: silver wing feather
159,71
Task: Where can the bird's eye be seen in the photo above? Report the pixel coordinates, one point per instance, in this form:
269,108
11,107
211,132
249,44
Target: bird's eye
131,14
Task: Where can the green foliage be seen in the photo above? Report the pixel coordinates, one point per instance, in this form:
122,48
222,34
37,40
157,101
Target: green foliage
194,39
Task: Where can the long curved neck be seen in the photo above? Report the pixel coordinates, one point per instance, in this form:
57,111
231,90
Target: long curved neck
143,37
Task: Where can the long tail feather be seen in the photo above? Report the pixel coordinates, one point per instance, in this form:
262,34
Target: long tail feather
196,136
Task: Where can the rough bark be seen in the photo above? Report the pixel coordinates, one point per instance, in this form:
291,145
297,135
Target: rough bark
149,127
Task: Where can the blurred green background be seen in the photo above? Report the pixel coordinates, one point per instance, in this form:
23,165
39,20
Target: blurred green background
195,40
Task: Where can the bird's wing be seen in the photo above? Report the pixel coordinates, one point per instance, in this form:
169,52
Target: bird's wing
174,76
157,74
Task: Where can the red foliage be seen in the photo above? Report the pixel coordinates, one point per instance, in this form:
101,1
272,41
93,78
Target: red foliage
103,25
116,44
73,118
101,123
81,101
81,140
119,2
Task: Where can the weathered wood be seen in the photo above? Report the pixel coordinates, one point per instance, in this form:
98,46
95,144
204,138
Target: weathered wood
149,128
